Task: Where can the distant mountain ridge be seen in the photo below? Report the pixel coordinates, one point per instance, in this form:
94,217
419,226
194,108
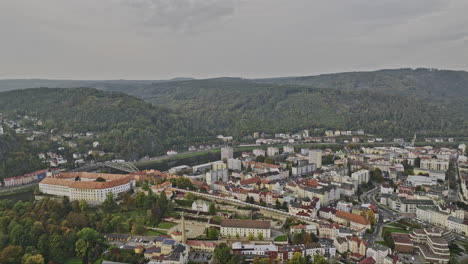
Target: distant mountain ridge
397,102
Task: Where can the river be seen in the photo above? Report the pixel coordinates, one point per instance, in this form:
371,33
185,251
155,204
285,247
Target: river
24,196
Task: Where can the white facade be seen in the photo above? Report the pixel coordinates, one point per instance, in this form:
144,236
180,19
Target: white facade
234,164
272,151
315,156
218,175
288,149
418,180
200,206
361,176
258,152
91,196
434,164
227,153
244,230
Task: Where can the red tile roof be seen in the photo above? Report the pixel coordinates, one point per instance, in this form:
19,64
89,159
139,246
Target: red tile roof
254,180
367,260
352,217
67,179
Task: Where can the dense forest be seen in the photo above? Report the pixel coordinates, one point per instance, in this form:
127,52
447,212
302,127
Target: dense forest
17,156
126,125
238,107
52,230
439,86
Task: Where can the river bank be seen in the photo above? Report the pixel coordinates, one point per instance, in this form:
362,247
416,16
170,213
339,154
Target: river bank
23,193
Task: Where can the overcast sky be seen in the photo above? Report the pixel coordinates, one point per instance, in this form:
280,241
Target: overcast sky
158,39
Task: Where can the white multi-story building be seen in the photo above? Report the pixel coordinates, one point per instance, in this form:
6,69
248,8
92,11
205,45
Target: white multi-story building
227,153
302,169
361,176
288,149
433,215
218,175
90,187
258,152
315,156
245,228
272,151
434,164
234,164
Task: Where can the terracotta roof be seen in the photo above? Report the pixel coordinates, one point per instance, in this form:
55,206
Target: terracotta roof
368,260
352,217
301,226
245,223
401,238
67,179
255,180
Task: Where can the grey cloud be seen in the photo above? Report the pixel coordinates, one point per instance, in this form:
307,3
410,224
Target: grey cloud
152,39
180,14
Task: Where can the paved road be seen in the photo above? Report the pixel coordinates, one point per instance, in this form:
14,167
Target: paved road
384,213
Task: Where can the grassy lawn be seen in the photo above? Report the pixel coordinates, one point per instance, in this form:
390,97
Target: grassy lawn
73,261
394,230
155,233
166,225
281,238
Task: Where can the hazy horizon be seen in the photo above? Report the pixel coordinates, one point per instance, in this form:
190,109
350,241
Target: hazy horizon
241,77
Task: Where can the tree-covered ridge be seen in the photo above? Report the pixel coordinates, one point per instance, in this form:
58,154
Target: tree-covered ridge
126,125
17,156
439,86
238,107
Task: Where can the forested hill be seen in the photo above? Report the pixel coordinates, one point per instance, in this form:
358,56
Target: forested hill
238,106
438,86
126,125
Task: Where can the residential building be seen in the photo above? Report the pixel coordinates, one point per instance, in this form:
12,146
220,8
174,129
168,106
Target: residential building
386,188
434,164
418,180
361,176
243,228
288,149
254,249
227,153
218,175
329,230
234,164
353,220
403,243
258,152
315,157
201,246
430,243
302,169
200,206
272,151
378,252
